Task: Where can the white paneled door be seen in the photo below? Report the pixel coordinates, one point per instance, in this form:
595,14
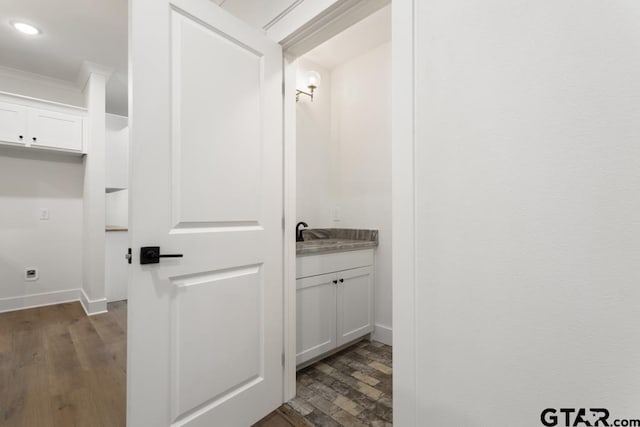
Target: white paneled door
206,329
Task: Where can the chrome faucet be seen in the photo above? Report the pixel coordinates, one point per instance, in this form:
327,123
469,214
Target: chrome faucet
299,237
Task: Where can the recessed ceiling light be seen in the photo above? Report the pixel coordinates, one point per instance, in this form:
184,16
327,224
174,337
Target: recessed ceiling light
25,28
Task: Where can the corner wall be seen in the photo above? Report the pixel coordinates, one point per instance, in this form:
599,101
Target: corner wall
94,219
361,134
315,189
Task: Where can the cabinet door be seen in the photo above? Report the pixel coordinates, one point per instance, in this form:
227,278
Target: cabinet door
13,123
49,129
355,303
315,316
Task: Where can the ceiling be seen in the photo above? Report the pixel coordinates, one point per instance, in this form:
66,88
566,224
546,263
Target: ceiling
92,30
356,40
258,13
72,31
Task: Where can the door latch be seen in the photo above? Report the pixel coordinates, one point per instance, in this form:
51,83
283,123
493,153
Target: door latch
128,256
152,255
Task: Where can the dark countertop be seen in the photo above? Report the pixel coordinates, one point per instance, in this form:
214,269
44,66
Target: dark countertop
327,240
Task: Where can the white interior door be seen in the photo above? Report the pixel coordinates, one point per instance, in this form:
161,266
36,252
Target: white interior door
205,330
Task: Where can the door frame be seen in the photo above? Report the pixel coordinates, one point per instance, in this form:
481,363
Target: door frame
330,22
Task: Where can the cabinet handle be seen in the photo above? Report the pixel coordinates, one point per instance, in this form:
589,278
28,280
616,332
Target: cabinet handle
20,136
341,280
335,282
34,138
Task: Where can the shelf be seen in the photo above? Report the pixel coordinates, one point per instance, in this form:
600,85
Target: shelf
113,190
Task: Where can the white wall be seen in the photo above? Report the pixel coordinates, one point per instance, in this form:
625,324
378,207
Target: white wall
42,87
361,133
315,182
525,217
117,208
117,268
117,170
117,152
29,182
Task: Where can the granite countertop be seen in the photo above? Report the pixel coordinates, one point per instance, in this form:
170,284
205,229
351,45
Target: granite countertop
326,240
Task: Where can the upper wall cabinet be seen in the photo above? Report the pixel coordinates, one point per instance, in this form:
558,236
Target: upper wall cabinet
50,129
13,123
39,125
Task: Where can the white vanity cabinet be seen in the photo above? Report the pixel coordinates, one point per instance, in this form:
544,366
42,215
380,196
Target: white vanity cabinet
334,303
354,304
316,312
39,125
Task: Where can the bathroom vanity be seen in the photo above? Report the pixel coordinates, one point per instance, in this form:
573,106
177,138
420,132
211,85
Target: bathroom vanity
334,272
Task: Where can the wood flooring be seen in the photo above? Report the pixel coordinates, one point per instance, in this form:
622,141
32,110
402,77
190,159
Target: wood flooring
283,417
59,367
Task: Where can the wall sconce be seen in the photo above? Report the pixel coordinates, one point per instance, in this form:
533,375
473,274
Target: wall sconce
312,80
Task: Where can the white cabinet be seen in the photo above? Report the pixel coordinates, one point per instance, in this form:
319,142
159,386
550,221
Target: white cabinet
33,125
13,123
334,303
51,129
315,316
355,293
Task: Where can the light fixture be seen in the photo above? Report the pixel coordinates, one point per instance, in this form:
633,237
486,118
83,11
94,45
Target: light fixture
25,28
312,80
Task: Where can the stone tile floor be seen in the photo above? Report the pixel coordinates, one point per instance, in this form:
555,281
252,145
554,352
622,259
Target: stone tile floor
351,388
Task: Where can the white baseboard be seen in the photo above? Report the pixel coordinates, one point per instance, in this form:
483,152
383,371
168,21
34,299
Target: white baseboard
38,300
92,307
383,334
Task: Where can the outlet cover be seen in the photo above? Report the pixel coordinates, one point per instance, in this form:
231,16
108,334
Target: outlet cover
44,214
31,274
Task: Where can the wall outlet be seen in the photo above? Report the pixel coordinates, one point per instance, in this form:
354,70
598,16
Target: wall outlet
31,274
44,214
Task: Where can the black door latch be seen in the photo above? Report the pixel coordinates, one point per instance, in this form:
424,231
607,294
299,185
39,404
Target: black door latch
151,255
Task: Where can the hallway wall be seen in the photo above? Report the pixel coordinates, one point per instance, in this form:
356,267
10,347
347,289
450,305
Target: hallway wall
517,248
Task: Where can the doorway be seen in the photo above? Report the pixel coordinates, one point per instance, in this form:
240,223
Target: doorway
341,179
